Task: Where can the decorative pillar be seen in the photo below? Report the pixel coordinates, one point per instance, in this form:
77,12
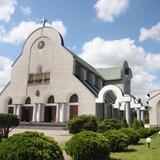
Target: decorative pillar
15,109
127,112
138,114
42,112
106,111
34,113
38,115
142,115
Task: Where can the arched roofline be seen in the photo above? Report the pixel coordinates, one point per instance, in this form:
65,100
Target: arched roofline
61,38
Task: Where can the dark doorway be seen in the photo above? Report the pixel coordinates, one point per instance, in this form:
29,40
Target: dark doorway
26,114
73,111
50,114
10,110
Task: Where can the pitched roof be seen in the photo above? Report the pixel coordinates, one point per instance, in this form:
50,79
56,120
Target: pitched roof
111,73
84,63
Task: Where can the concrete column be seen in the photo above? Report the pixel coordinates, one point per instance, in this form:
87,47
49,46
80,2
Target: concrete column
18,110
138,114
61,116
38,115
34,113
15,109
106,111
127,112
57,112
42,112
142,115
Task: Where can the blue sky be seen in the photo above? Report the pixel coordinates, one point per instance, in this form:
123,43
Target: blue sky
103,32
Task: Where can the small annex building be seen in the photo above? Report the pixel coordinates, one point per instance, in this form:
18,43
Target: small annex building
49,83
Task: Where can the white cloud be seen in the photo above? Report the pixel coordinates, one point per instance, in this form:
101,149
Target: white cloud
152,33
19,33
26,10
108,10
105,53
7,8
5,69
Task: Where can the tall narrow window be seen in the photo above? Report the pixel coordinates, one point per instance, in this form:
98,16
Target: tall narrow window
28,100
51,99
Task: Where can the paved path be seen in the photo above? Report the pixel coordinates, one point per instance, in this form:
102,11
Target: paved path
61,136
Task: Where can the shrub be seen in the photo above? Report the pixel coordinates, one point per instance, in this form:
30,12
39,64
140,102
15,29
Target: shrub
83,122
7,121
137,124
147,132
118,141
132,135
30,146
88,145
0,137
124,123
109,124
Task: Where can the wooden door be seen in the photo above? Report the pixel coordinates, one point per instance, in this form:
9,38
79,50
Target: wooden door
10,110
50,114
26,114
73,111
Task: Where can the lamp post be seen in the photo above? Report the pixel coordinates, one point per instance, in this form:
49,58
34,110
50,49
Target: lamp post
148,140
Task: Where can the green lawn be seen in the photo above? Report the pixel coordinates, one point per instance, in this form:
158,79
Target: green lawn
141,152
138,152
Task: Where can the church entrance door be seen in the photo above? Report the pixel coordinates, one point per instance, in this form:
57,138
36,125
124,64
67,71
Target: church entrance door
26,114
73,111
50,114
10,110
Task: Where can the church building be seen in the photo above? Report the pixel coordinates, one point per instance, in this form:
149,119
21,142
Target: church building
49,83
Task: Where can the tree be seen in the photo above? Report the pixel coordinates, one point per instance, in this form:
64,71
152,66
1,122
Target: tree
7,123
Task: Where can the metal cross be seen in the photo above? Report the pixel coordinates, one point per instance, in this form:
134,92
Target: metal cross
43,21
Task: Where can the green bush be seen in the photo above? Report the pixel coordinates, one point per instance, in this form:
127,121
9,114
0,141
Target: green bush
0,137
7,121
83,122
132,135
124,123
118,141
147,132
30,146
88,145
109,124
137,124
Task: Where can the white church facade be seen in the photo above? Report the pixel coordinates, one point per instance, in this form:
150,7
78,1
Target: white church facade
49,83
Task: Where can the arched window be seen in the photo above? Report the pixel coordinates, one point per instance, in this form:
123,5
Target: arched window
51,99
28,100
74,98
10,101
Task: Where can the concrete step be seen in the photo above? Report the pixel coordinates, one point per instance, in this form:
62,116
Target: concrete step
42,126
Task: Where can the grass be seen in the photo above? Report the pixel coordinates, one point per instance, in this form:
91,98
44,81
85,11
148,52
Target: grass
141,151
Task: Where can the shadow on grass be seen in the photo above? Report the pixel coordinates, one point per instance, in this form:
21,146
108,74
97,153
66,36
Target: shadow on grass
141,143
115,159
130,150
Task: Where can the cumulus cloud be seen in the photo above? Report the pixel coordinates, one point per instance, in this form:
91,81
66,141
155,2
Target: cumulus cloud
7,8
19,33
5,67
26,10
105,53
108,10
151,33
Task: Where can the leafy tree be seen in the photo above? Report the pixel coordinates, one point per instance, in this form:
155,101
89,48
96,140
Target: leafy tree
7,123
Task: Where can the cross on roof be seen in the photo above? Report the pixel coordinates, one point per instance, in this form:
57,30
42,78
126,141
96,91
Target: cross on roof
43,21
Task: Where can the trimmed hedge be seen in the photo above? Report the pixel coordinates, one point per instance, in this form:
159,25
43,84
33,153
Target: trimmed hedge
30,146
81,123
132,135
137,124
147,132
88,145
109,124
118,141
8,121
